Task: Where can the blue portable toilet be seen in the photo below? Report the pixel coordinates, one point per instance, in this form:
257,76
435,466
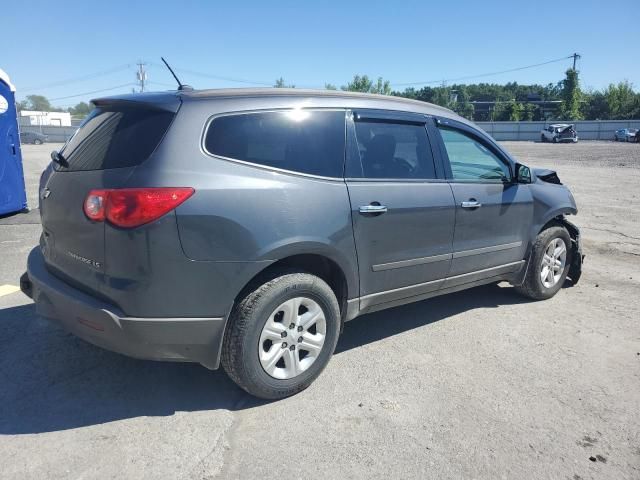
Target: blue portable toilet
13,197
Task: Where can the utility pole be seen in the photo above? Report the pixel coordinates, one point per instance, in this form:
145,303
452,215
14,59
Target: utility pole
575,56
141,75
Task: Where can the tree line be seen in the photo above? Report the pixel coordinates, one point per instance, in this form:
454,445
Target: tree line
40,103
512,101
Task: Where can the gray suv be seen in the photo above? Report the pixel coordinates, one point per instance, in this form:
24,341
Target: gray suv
245,227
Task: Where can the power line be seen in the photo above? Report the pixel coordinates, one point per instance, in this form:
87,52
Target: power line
95,91
78,79
468,77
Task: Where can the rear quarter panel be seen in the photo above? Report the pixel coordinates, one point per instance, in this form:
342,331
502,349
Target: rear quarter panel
244,213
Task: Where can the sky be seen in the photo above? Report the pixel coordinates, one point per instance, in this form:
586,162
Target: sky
67,49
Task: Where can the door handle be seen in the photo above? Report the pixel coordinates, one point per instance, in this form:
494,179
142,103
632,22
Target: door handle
373,209
471,204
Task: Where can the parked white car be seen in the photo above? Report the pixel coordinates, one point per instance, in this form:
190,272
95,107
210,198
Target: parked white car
559,132
626,135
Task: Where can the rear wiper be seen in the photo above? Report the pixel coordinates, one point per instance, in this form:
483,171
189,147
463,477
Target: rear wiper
57,157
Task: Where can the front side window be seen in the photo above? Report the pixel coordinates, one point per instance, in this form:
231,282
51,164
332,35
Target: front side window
394,150
302,141
470,160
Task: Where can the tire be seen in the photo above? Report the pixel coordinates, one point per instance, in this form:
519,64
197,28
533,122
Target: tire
37,141
533,287
249,335
555,139
543,139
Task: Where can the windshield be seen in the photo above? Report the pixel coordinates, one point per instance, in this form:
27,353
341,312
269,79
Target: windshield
115,138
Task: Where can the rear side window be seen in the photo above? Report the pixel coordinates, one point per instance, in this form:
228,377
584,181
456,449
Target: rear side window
303,141
394,150
116,138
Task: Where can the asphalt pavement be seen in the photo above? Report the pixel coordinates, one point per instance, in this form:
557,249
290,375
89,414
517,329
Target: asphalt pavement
478,384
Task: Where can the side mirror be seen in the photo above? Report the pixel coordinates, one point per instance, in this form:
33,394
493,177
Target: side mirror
523,173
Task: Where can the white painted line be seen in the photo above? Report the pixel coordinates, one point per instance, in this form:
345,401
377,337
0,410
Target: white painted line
8,289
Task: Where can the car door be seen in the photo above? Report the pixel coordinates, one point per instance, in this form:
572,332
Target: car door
494,214
403,210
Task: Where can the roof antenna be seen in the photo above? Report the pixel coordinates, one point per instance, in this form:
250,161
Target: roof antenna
181,86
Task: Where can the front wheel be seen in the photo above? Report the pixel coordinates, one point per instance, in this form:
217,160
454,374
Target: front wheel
281,335
37,141
548,264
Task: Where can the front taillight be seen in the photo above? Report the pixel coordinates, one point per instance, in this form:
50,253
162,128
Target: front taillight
132,207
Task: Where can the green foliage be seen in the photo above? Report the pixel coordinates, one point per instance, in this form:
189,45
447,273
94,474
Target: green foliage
38,103
622,102
464,109
460,102
515,111
595,106
330,86
499,112
529,112
362,83
82,109
442,97
571,96
280,83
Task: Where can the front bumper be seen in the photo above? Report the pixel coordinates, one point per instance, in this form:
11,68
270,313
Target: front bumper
174,339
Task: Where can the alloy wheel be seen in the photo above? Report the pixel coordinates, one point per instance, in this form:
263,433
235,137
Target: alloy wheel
292,338
553,264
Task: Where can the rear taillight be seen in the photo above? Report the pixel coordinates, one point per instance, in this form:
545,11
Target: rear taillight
94,205
132,207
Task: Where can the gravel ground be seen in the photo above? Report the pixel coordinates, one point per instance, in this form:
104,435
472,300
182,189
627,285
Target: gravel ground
477,384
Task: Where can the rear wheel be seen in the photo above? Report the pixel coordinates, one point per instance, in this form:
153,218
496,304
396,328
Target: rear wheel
548,264
281,335
37,141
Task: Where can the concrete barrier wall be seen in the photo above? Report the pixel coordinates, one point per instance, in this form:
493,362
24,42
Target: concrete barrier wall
587,129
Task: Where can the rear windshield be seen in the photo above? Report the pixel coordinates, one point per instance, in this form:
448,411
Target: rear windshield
115,138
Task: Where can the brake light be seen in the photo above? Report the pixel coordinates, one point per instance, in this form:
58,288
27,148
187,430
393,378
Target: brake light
132,207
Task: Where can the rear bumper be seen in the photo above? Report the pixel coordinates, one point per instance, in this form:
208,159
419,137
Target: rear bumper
174,339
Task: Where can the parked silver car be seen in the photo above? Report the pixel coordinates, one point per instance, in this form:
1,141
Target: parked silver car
626,135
